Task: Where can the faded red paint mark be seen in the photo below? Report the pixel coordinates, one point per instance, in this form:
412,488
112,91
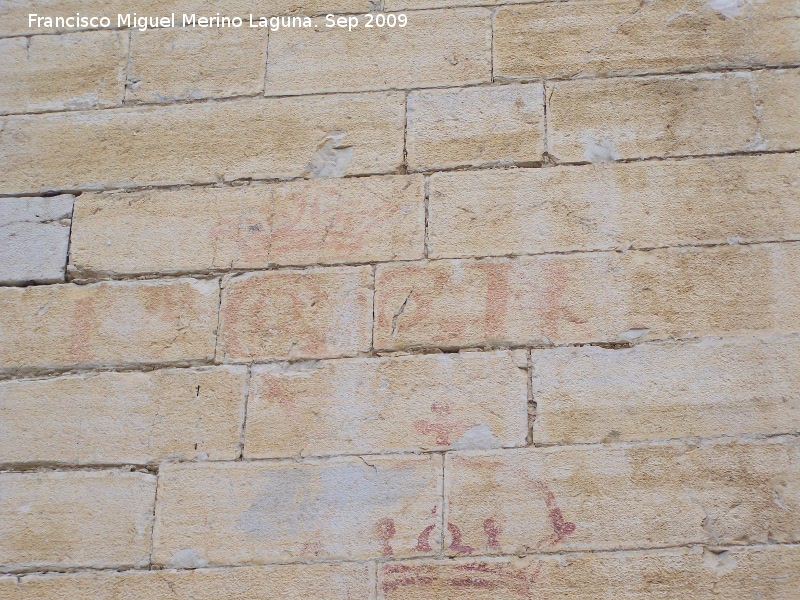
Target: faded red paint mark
441,430
456,543
555,310
314,548
561,527
385,531
492,529
423,541
497,295
504,579
81,327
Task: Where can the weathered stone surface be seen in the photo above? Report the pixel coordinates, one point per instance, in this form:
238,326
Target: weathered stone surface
202,63
50,327
614,206
343,581
197,229
60,520
14,13
448,47
475,126
702,574
626,36
778,108
317,136
62,72
596,498
123,418
592,297
318,313
34,237
373,405
607,119
662,391
244,513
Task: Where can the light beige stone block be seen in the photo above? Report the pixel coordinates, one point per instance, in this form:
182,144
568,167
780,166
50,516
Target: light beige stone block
318,313
297,223
596,498
318,136
436,48
14,13
75,519
591,297
614,206
34,237
601,120
778,107
246,513
191,63
661,391
123,418
475,126
626,36
344,581
376,405
76,71
675,574
119,323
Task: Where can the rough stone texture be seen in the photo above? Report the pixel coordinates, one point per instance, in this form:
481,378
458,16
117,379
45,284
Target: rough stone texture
202,63
590,297
123,418
318,313
51,327
626,36
345,581
14,13
765,572
662,391
374,405
606,119
244,513
447,47
596,498
34,237
319,136
75,519
199,229
62,72
475,126
779,108
614,206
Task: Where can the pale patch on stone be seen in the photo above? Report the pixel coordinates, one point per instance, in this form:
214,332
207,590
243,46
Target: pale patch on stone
727,8
477,437
719,562
634,334
331,158
189,558
601,151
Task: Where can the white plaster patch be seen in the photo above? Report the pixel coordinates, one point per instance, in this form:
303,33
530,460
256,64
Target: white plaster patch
331,158
477,438
600,151
633,334
727,8
188,558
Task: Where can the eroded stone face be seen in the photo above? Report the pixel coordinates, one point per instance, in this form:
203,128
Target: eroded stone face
123,418
598,297
375,405
596,498
319,313
114,323
314,136
294,582
297,223
770,572
34,237
250,513
667,391
448,47
74,519
624,36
